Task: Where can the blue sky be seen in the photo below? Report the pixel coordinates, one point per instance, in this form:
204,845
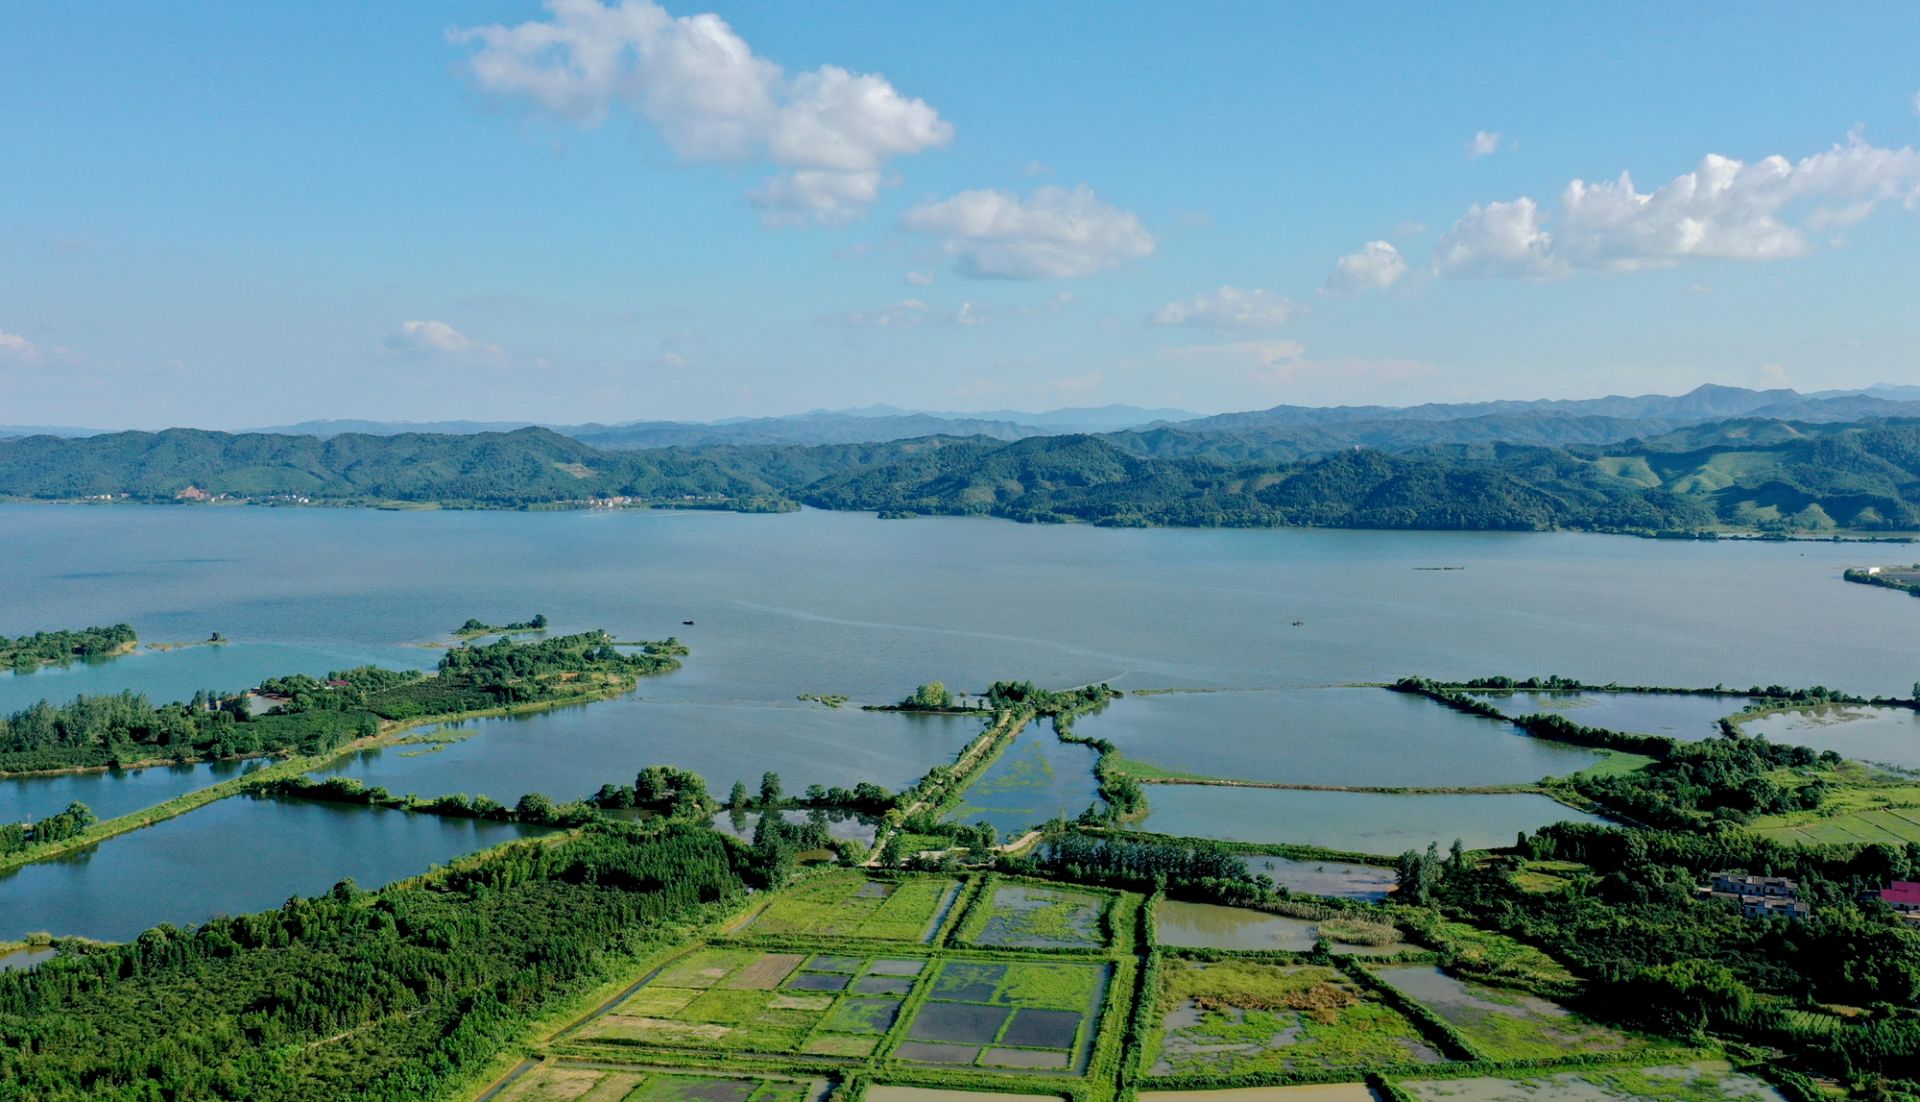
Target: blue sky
229,215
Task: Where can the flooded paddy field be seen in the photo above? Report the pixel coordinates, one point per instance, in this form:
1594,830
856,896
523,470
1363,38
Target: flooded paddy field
1027,916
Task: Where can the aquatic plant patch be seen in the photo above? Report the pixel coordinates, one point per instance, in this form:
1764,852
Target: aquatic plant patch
849,904
1242,1017
1501,1023
1031,917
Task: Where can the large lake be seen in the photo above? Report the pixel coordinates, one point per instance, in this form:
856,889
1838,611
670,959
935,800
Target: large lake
842,603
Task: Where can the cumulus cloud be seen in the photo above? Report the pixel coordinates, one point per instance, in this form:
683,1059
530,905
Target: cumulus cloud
1229,308
1054,234
15,344
1725,209
1483,144
711,98
1376,267
429,337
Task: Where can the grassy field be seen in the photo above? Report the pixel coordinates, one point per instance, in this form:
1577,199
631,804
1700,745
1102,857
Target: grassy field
849,905
1247,1017
1862,804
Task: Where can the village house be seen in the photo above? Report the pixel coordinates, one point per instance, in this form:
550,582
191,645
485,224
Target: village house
1760,896
1904,897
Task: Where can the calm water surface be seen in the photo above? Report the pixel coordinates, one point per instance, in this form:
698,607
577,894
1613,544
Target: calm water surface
570,752
1357,822
1884,736
1331,878
111,793
1686,717
1036,779
1327,736
232,856
825,602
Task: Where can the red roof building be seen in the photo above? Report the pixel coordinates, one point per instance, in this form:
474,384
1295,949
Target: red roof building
1902,895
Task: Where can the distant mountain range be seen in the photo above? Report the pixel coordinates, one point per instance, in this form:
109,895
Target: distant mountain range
871,424
1763,474
1277,434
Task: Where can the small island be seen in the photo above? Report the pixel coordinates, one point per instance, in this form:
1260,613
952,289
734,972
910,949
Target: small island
46,648
1903,578
475,628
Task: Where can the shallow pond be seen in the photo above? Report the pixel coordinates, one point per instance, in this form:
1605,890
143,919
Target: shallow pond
1211,926
233,856
1319,1092
111,793
1327,736
1037,779
1684,716
1354,822
842,826
1884,736
1706,1079
568,753
1338,879
19,960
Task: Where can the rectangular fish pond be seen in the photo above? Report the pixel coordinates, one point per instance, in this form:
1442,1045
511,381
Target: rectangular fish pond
1211,926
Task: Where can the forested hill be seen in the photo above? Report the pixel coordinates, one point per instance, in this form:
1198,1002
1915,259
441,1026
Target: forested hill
1759,474
527,466
1746,474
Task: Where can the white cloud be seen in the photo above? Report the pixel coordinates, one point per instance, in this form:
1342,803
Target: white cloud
1230,308
711,99
1724,209
904,314
969,313
15,344
436,337
1054,234
1484,144
1038,168
919,279
1376,267
1499,239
